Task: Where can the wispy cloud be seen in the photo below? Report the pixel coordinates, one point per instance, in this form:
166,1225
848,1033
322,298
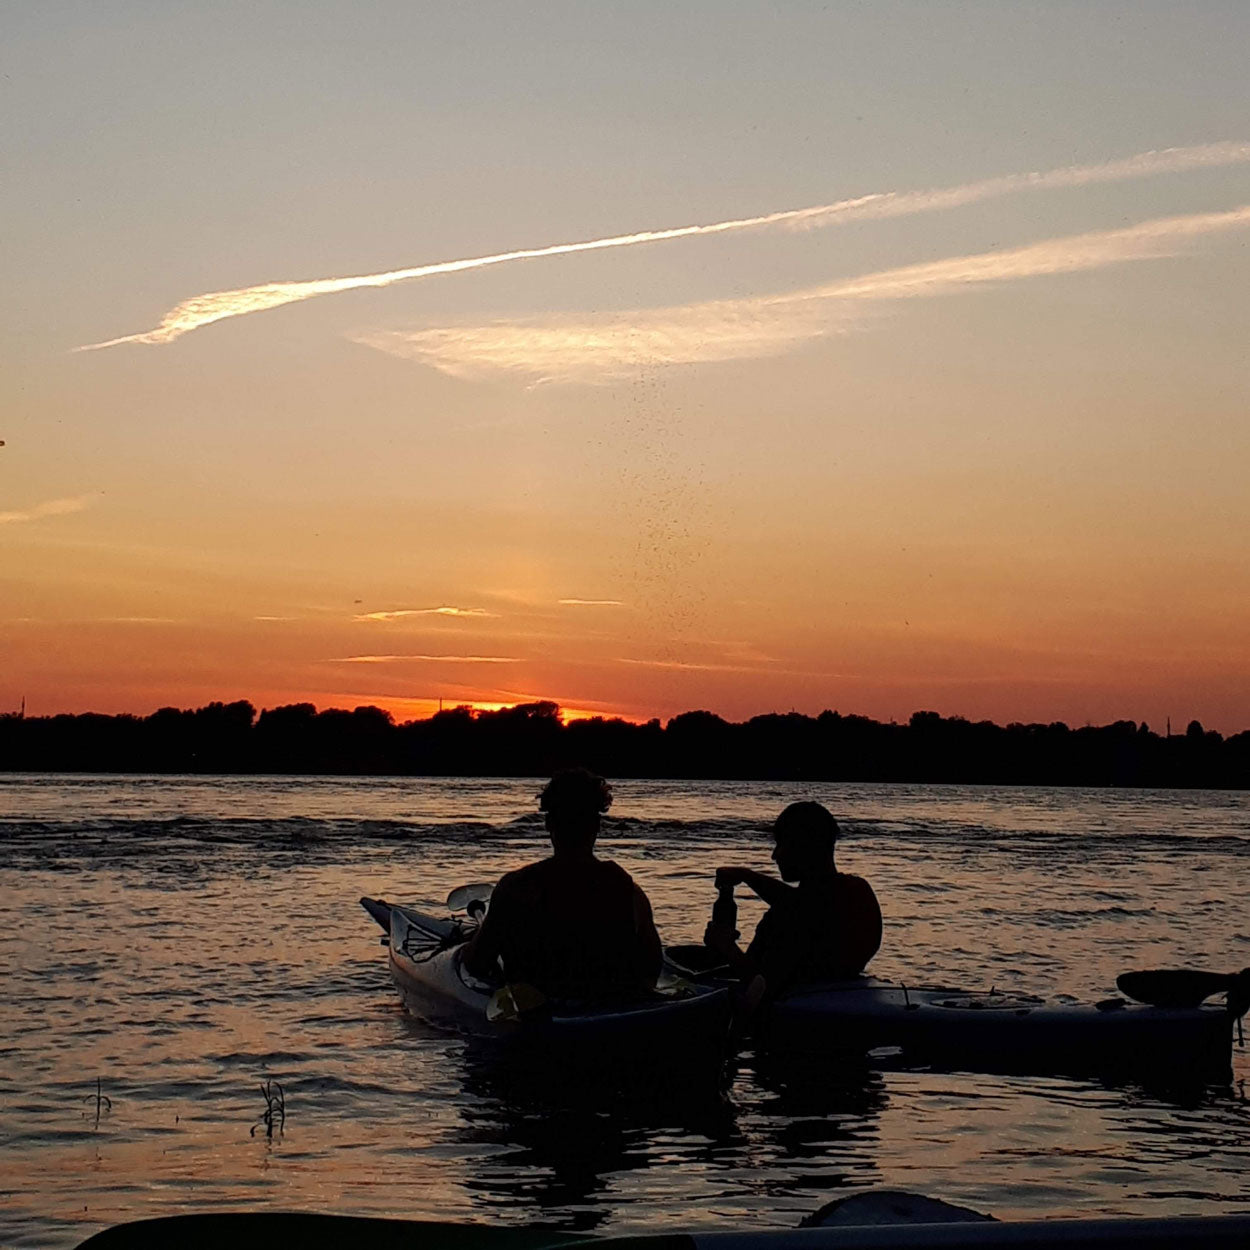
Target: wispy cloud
96,620
603,349
771,668
426,659
202,310
696,667
592,603
52,507
399,613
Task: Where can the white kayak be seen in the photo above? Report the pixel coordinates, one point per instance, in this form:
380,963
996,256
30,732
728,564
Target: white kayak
425,955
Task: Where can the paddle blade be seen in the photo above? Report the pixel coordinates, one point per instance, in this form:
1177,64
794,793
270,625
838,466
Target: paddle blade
460,898
1173,987
510,1003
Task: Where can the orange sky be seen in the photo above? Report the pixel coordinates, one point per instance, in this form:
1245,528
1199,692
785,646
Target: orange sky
969,435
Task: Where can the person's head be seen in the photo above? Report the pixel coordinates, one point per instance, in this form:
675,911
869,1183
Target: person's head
804,836
573,801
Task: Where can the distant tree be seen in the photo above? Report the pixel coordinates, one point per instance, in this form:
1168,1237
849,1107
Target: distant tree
531,739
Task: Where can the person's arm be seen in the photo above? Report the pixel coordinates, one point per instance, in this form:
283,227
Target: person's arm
767,963
723,941
770,889
650,949
482,953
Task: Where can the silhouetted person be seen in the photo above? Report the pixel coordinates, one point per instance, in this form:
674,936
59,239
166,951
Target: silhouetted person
826,927
573,926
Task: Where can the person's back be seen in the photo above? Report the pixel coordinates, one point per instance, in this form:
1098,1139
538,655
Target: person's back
826,930
573,926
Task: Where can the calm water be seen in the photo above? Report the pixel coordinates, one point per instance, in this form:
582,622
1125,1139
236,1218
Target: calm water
185,939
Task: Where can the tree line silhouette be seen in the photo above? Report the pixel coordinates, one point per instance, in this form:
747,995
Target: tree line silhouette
532,740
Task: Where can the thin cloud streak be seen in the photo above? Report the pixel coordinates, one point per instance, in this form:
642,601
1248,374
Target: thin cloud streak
691,667
769,670
591,603
604,349
202,310
426,659
399,613
52,507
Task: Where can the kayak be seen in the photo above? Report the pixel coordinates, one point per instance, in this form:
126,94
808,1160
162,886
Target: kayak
957,1029
994,1031
1169,1030
425,956
261,1230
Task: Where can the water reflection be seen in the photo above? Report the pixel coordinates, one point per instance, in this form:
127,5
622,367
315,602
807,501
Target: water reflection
562,1145
568,1133
816,1126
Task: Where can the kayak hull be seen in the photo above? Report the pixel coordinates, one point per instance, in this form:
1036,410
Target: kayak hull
426,965
262,1230
1003,1032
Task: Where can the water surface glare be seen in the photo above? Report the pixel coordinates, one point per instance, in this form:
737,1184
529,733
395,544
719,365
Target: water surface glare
184,939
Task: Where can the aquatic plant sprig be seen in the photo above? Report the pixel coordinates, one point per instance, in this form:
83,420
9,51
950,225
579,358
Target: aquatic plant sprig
275,1110
102,1101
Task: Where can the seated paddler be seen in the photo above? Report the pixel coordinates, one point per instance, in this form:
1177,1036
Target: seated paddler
573,926
821,924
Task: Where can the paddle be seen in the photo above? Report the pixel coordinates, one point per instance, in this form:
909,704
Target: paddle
1186,987
471,899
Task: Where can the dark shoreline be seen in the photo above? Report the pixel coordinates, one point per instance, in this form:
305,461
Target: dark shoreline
531,740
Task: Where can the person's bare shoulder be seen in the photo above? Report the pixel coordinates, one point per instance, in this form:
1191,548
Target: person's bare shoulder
520,883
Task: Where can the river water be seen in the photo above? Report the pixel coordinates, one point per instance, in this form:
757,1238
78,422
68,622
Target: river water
182,940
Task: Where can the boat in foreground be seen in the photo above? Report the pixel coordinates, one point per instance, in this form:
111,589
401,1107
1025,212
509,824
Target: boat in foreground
243,1231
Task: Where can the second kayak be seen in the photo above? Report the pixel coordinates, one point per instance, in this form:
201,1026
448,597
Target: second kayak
993,1031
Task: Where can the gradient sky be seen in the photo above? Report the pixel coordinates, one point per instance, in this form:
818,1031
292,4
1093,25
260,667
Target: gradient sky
979,445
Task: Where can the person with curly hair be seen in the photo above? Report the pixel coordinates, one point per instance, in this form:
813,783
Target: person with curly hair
573,926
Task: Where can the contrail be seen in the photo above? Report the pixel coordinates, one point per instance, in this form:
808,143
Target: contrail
202,310
427,659
399,613
51,507
603,349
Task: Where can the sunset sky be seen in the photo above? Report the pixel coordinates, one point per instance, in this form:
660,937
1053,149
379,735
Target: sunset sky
949,410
